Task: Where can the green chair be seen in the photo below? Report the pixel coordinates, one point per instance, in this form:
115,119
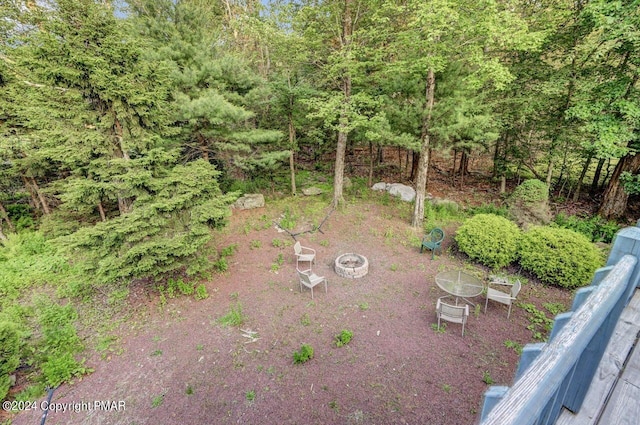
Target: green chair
433,241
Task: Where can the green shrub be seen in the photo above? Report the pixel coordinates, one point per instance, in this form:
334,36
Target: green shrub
595,228
558,256
490,239
304,355
531,191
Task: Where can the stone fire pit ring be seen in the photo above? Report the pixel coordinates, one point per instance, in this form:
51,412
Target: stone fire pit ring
351,266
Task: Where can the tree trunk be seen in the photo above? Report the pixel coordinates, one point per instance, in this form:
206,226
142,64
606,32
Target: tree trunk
370,164
34,198
343,128
124,203
549,171
292,147
103,216
415,161
614,202
204,149
5,216
43,200
423,167
585,167
596,175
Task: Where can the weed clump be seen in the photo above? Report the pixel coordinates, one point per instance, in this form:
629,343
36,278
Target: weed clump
303,355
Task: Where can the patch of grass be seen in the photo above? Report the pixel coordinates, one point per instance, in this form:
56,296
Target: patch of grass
539,324
486,378
441,330
156,353
222,265
201,292
305,320
189,390
343,338
514,345
303,355
277,243
324,243
446,388
250,395
157,401
363,306
334,405
199,347
235,316
255,244
394,267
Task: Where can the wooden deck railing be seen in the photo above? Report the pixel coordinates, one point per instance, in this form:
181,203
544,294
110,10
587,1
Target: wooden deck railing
558,373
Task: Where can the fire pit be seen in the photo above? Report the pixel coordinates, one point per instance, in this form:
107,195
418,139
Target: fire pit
352,266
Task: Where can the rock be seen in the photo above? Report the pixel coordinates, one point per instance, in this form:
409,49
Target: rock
404,192
311,191
249,201
379,186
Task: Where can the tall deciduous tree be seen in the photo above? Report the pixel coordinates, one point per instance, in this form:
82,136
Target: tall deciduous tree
431,35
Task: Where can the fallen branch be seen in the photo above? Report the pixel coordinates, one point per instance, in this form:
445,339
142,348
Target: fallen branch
314,229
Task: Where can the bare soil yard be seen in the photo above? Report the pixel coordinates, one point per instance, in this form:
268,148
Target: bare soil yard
176,364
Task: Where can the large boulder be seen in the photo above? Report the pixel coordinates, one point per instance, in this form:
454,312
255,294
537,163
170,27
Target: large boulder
312,191
249,201
404,192
379,186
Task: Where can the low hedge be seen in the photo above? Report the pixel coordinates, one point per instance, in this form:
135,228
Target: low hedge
490,239
559,256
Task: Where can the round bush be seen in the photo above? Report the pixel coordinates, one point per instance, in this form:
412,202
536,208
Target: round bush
490,239
531,191
558,256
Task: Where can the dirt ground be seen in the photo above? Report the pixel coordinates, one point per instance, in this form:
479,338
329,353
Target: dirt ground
175,364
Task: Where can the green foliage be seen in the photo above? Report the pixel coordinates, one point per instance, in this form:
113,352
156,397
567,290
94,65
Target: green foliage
514,345
235,316
531,191
595,228
559,257
221,265
442,211
27,258
11,343
343,338
229,251
60,342
201,292
539,324
490,239
630,182
501,211
303,355
163,233
528,204
486,378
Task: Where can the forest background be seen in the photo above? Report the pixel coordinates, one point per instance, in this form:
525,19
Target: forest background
128,129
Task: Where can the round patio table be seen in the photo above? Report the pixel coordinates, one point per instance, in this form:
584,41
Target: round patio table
460,284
